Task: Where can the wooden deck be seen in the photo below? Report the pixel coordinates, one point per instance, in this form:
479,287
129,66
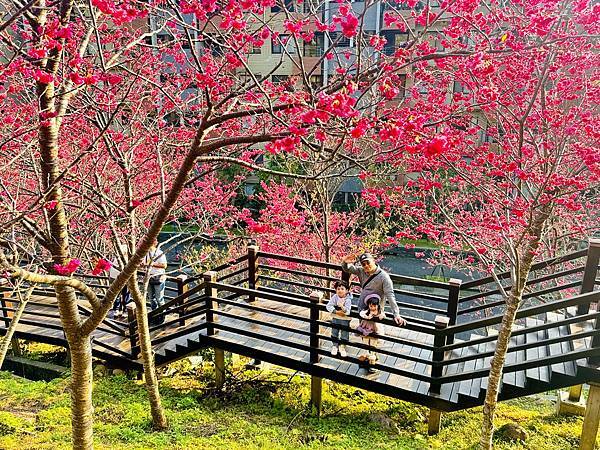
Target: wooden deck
554,344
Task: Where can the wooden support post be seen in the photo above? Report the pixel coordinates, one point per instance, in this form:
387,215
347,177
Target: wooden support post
219,368
441,322
316,393
591,420
4,295
252,270
453,294
131,322
590,272
434,423
587,285
15,344
315,300
211,303
575,393
316,383
182,288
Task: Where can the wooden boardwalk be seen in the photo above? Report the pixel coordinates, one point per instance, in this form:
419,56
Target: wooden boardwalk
554,344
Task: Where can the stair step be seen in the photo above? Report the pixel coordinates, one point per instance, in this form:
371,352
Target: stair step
490,347
566,347
510,378
532,353
475,391
544,370
465,386
520,378
458,368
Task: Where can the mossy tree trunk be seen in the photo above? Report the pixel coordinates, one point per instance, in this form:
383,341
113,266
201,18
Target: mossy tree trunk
520,272
159,419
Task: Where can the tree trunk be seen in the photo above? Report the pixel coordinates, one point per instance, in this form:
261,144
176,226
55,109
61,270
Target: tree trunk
82,411
12,328
496,369
159,419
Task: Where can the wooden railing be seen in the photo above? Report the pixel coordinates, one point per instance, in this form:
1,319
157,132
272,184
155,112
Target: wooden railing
286,286
278,293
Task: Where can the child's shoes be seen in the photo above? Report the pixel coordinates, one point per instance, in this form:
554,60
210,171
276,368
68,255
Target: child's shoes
343,353
334,350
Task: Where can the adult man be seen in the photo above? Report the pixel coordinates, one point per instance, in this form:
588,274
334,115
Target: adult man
373,280
156,262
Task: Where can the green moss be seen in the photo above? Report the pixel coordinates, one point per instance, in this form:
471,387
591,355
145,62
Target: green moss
258,412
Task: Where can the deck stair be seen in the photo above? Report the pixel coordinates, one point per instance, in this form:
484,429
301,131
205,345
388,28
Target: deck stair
260,305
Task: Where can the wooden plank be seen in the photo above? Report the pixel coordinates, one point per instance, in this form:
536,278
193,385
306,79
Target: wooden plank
566,347
489,347
398,380
544,370
532,353
555,349
479,363
520,378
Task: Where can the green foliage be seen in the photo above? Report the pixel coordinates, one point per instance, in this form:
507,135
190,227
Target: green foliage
257,410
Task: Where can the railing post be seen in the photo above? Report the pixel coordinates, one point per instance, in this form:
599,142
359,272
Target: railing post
252,270
4,294
439,341
182,288
346,277
590,272
211,305
316,383
131,320
315,299
587,285
453,294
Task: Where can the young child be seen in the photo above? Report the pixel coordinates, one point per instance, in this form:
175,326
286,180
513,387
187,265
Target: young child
339,306
369,326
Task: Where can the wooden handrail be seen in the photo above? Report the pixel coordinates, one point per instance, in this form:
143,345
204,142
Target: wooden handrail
296,272
524,297
524,365
521,331
529,283
536,266
306,262
581,299
520,347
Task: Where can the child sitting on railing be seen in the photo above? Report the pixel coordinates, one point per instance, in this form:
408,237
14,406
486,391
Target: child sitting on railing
339,306
370,326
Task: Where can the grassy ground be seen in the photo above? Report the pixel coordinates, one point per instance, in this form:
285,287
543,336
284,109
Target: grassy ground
256,410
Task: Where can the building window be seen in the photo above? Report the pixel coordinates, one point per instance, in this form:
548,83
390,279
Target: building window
277,45
459,87
214,45
316,81
255,49
164,38
277,79
394,41
280,5
316,46
402,85
339,40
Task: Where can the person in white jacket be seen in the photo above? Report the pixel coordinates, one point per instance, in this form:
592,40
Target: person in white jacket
340,305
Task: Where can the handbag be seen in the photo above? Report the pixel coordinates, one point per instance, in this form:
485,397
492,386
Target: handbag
155,280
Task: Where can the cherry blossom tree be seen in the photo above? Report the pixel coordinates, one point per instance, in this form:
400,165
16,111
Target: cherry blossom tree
114,111
508,167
